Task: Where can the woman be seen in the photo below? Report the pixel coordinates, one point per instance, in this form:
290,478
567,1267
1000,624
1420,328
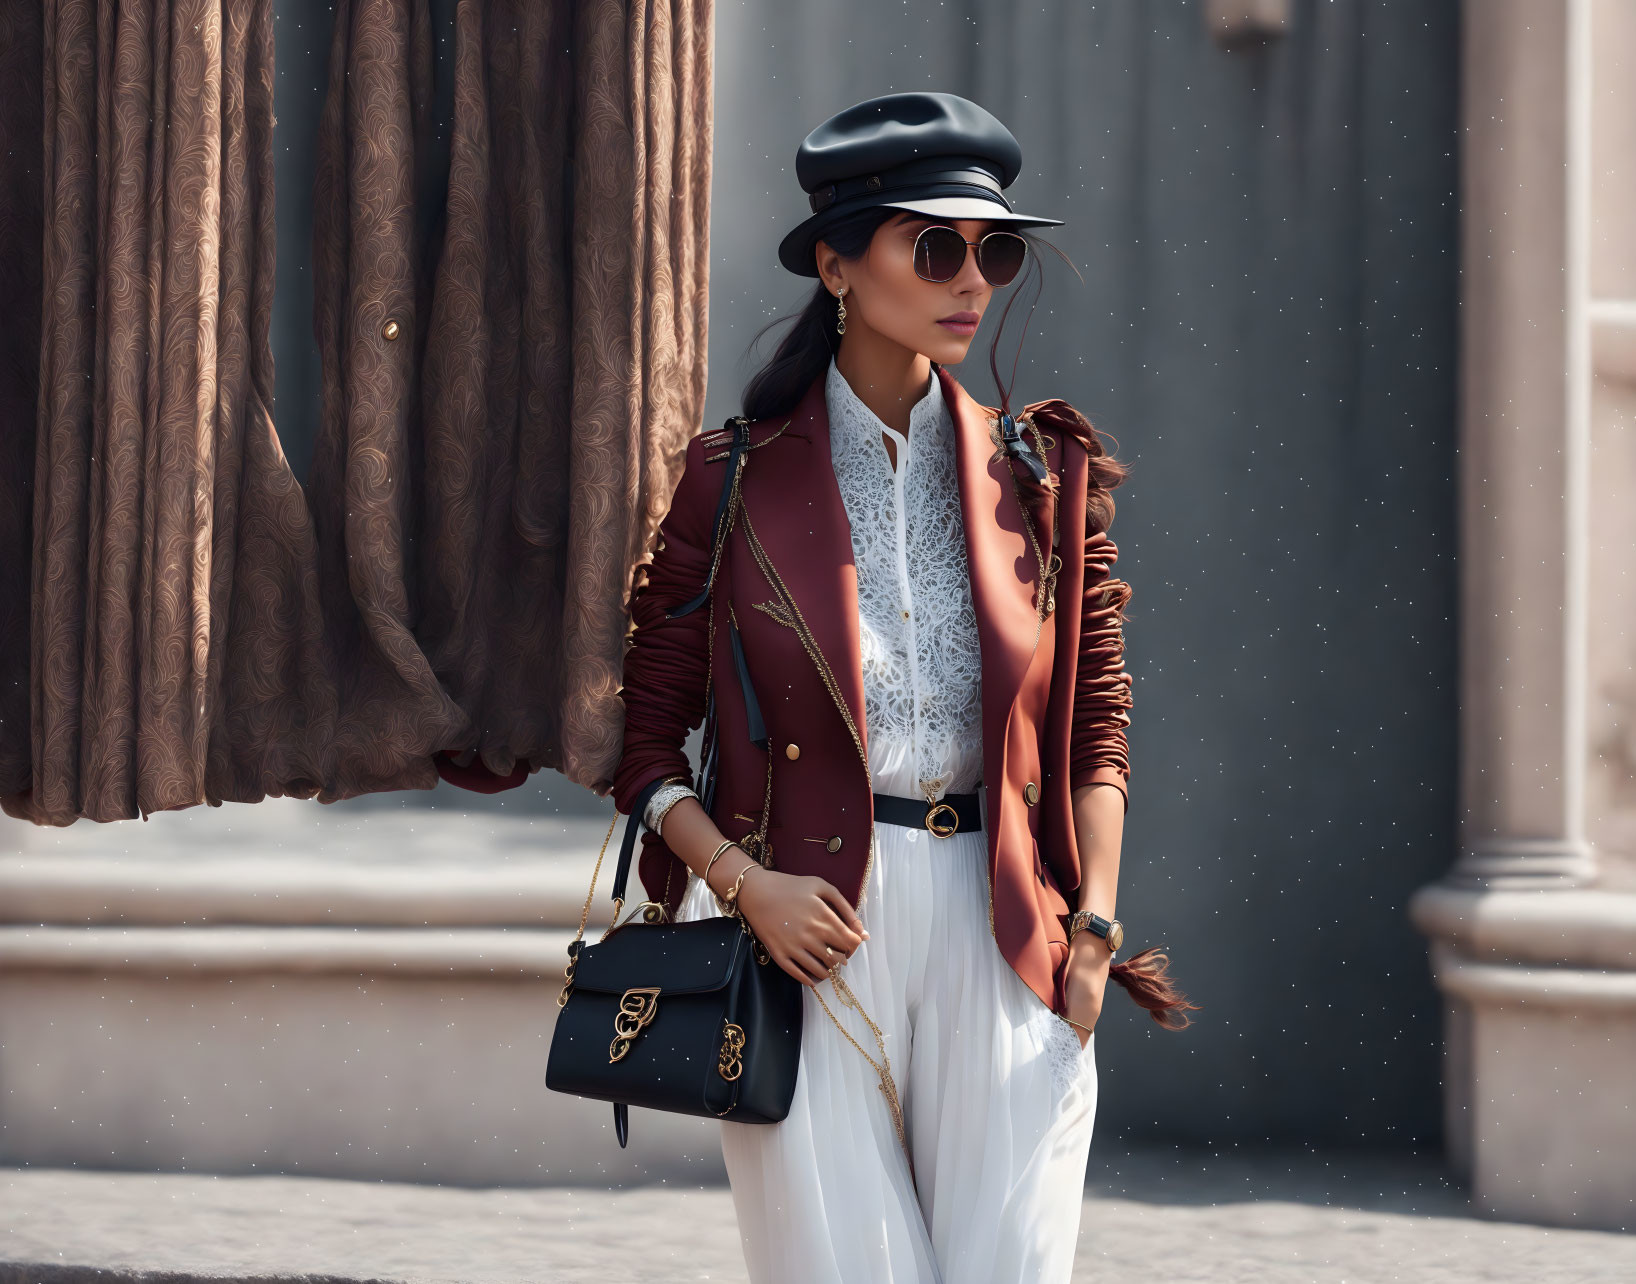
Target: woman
916,654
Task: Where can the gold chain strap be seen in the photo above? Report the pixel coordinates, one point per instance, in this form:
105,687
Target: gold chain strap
882,1068
585,916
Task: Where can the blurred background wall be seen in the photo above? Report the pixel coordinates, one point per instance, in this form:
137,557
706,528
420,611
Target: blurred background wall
1266,324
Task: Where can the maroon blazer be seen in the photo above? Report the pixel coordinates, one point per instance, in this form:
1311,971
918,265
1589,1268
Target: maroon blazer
1053,713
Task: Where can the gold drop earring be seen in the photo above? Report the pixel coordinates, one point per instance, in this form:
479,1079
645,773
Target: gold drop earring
840,317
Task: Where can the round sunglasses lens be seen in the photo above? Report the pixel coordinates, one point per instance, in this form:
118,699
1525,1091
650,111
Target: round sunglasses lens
1000,257
940,253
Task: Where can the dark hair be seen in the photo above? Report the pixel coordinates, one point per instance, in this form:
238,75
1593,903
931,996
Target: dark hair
804,353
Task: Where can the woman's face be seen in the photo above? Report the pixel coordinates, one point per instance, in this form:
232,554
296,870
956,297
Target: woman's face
884,296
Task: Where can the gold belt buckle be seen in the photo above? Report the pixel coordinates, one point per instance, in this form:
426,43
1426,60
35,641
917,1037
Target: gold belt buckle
931,823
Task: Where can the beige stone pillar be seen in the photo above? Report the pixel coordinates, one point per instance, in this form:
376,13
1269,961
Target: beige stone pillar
1533,931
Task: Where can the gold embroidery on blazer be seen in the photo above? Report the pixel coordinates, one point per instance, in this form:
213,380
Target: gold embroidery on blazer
784,610
787,613
778,611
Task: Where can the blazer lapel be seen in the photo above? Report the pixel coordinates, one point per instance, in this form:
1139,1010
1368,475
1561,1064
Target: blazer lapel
801,520
1004,573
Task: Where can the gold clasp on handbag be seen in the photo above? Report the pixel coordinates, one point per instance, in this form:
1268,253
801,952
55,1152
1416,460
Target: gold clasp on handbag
637,1007
730,1062
646,911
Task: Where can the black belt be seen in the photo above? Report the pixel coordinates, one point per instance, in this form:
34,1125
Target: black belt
952,813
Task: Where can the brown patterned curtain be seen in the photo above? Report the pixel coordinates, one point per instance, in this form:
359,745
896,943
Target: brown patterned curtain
22,141
513,356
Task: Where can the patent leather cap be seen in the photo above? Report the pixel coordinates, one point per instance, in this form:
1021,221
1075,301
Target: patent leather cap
930,153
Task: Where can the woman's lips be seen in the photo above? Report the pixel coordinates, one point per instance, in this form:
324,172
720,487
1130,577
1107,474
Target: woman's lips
962,323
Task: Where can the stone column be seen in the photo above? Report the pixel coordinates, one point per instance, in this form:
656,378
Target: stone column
1533,931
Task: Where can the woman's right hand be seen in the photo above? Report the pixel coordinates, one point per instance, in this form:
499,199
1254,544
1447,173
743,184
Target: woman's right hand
795,916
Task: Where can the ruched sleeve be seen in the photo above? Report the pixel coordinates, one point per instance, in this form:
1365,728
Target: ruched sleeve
666,659
1102,689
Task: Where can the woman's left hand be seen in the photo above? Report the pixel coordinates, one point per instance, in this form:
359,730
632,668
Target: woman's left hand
1088,962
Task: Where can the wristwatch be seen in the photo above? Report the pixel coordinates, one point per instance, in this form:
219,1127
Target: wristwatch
1110,929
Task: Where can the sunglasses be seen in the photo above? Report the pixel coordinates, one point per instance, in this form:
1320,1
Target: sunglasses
940,254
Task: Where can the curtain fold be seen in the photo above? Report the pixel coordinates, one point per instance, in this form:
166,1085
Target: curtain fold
512,344
162,507
372,294
641,262
611,461
22,224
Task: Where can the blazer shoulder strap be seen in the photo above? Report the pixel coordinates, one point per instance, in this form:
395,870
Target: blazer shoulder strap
740,427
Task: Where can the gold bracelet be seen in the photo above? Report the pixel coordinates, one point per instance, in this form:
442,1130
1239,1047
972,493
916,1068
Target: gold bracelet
1085,1028
726,843
729,902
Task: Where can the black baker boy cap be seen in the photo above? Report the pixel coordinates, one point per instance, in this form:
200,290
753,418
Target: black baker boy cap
930,153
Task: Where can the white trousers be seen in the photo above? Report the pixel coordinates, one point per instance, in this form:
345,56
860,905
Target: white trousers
998,1101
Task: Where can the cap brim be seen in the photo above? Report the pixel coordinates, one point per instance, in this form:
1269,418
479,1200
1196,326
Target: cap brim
970,207
795,251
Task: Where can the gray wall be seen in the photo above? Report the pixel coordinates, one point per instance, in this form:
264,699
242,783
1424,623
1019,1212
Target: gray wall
1267,327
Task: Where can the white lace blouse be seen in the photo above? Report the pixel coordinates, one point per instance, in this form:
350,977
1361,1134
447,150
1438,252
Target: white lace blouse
917,626
921,667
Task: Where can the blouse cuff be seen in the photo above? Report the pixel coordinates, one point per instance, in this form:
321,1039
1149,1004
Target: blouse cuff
664,798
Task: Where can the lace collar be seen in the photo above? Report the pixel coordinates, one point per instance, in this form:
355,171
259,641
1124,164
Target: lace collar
854,425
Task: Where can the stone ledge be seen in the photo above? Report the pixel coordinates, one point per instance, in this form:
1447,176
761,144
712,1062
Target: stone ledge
1504,984
368,831
257,889
497,953
56,1273
1573,927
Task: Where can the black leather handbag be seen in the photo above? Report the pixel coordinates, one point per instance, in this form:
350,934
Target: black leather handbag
694,1018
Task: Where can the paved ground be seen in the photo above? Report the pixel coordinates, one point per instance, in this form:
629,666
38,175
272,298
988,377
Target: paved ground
1150,1216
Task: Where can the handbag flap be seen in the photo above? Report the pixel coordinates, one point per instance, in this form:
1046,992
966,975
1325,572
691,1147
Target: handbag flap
679,958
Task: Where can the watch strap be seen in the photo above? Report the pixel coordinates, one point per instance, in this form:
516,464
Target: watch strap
1086,921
